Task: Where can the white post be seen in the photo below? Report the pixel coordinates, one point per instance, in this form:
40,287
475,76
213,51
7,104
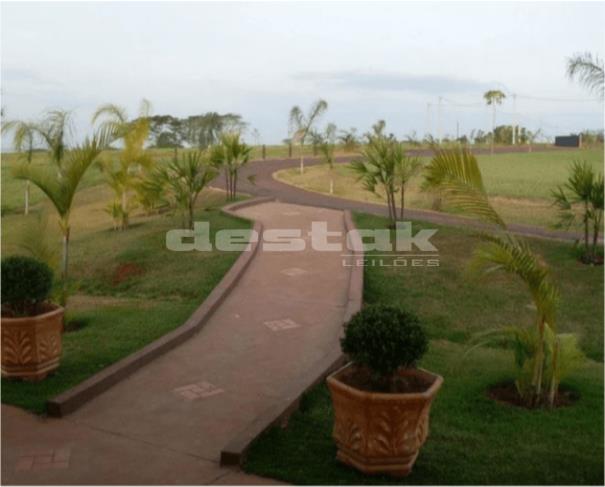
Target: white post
439,120
429,122
514,119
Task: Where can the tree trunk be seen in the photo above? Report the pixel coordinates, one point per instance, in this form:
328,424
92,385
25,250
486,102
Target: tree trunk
586,236
191,204
227,183
554,384
302,160
538,367
234,184
391,204
124,216
402,201
331,185
26,198
64,266
493,127
595,235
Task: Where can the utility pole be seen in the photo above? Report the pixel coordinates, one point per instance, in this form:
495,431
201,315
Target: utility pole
457,129
429,122
439,119
514,119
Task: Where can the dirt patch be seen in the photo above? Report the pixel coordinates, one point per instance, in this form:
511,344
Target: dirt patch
125,271
82,302
506,393
364,380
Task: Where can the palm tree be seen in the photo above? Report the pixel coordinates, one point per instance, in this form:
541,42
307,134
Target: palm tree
186,178
60,185
231,154
54,130
327,147
542,356
493,98
301,125
584,189
406,168
123,176
349,140
589,71
24,136
376,170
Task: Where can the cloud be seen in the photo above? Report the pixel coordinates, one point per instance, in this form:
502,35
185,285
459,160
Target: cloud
384,81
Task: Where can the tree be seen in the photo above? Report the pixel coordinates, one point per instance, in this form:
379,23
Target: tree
123,174
376,170
54,130
532,137
542,355
205,130
230,155
301,125
186,178
166,131
327,146
589,71
406,168
493,98
349,140
24,136
60,185
582,194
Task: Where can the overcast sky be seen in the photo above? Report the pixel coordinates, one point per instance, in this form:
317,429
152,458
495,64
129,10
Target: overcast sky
368,60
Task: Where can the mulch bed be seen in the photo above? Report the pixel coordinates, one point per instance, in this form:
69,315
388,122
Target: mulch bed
507,393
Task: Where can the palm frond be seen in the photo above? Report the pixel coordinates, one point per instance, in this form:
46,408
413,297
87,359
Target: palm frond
589,71
455,173
507,253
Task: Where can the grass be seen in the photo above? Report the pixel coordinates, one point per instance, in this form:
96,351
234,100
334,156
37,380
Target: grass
120,311
454,306
519,184
13,190
473,440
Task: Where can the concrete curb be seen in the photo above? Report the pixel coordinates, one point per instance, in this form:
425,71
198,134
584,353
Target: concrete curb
234,453
72,399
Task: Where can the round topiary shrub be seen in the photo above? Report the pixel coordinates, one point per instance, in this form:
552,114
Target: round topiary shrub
26,283
384,339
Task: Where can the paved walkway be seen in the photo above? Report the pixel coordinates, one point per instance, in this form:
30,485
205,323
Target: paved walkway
265,185
167,423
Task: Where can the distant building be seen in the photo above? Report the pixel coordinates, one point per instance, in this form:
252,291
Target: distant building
568,140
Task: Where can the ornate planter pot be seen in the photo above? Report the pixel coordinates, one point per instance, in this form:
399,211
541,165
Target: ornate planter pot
31,346
381,433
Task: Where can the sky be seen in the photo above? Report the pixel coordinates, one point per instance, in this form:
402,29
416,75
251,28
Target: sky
368,60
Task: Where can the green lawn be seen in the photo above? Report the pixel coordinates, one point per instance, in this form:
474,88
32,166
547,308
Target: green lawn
473,439
519,184
119,310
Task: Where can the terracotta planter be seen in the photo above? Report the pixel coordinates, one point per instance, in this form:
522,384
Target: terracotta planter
381,432
31,346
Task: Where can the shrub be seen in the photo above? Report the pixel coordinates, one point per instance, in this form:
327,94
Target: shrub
383,339
26,283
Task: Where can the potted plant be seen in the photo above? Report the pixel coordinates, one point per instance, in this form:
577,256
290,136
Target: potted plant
31,325
381,400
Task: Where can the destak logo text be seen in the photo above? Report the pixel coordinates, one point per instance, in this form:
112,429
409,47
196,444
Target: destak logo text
380,247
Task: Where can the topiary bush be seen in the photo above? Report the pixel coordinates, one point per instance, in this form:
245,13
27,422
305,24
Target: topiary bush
26,284
384,339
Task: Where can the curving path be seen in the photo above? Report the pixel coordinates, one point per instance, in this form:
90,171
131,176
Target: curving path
167,423
264,184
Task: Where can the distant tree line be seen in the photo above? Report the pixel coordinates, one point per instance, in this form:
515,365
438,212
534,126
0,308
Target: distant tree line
201,131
